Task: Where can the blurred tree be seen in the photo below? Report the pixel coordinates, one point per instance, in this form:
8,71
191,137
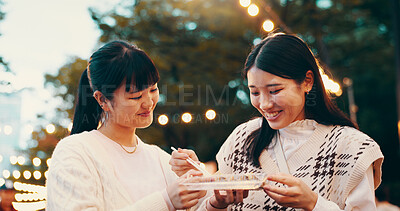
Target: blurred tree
355,39
65,85
200,47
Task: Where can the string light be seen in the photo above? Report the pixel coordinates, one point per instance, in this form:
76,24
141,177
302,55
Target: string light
37,175
245,3
268,25
186,117
50,128
27,174
13,159
163,119
8,129
16,174
211,114
21,160
6,174
36,161
253,10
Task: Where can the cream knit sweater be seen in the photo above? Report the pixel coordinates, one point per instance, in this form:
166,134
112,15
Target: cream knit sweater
332,162
82,177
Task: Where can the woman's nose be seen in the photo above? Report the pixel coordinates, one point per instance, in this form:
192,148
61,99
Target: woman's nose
266,102
148,102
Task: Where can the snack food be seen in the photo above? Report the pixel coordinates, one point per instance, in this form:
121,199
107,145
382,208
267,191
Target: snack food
226,182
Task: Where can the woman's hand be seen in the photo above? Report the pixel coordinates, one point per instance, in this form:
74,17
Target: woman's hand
180,196
231,197
178,162
297,194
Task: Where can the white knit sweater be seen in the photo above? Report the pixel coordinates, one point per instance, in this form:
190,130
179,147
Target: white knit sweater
332,162
82,177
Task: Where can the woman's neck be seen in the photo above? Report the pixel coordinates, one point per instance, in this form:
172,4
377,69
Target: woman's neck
122,135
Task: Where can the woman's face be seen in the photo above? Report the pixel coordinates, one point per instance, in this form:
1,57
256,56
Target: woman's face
133,109
280,100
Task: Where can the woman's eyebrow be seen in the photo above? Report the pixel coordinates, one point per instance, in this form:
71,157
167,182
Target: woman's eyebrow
268,85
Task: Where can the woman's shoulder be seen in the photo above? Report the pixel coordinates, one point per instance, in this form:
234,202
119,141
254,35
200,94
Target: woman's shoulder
351,137
76,140
248,126
352,133
242,131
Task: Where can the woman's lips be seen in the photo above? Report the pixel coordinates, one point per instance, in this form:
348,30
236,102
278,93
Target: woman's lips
145,114
270,116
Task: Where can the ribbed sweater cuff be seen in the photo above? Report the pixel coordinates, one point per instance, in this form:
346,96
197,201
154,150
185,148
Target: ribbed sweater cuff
154,201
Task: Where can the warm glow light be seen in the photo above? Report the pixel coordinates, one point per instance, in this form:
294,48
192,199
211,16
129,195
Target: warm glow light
2,181
8,129
245,3
37,205
27,174
331,85
163,119
21,160
70,127
36,161
50,128
46,173
253,10
1,158
13,159
16,174
211,114
37,175
48,162
6,174
186,117
268,25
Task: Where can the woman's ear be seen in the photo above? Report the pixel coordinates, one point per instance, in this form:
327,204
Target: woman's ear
101,100
309,81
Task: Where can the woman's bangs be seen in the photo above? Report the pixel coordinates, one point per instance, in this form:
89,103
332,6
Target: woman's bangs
141,73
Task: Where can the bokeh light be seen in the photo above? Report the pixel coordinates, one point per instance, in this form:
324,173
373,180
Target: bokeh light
253,10
186,117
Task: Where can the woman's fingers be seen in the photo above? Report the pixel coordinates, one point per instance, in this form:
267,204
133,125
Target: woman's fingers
238,196
189,153
283,178
245,193
280,190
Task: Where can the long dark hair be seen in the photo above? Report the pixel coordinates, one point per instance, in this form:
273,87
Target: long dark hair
290,57
108,67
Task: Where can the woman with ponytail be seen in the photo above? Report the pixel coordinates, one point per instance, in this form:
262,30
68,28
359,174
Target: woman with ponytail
315,157
103,165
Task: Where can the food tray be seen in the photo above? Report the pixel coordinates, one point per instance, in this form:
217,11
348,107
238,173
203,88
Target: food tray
226,182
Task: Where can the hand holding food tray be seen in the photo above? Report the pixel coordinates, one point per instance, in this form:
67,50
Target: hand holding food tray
226,182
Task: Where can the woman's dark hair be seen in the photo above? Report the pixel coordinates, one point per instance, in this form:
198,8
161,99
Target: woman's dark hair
288,56
108,67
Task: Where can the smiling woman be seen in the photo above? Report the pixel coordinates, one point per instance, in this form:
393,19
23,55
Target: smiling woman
314,156
103,165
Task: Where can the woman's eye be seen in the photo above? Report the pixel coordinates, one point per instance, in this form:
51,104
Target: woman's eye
254,93
135,98
153,90
275,91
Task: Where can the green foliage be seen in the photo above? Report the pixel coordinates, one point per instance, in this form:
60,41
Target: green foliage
200,47
66,84
191,43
